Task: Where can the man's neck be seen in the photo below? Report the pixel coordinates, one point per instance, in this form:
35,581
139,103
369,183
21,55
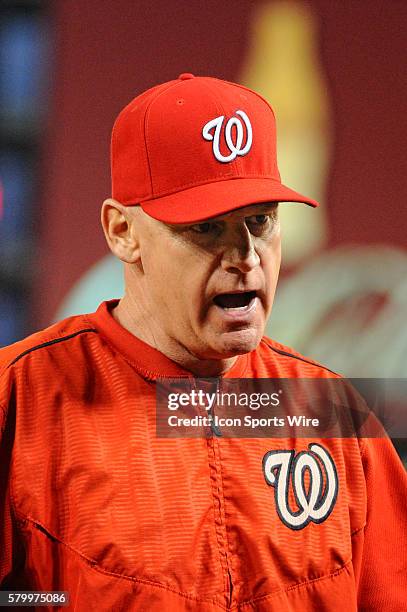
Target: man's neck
150,333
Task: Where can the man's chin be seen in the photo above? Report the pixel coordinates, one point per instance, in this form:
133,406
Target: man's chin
232,344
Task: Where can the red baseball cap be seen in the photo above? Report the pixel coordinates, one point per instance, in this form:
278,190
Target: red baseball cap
194,148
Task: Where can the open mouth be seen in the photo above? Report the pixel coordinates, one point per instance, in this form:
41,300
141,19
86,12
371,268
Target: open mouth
235,301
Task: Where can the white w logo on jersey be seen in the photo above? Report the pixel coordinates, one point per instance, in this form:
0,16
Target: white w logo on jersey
316,502
235,148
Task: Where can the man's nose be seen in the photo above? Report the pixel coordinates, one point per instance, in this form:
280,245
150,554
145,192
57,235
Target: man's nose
240,255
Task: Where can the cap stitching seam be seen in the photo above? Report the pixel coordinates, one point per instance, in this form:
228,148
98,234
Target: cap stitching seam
146,119
129,108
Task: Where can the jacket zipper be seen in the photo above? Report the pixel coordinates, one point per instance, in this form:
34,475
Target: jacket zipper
218,434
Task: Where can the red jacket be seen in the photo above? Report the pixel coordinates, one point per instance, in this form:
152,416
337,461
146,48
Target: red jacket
93,503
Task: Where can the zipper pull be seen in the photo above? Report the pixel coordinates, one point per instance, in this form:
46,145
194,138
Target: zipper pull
214,428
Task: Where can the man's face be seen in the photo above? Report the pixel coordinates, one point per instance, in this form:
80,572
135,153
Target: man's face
210,286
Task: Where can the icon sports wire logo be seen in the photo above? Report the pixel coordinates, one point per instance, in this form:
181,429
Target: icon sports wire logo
233,144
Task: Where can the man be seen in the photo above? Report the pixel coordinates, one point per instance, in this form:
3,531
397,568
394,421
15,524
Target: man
93,502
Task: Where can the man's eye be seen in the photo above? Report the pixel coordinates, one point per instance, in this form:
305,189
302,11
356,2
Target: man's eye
258,219
202,228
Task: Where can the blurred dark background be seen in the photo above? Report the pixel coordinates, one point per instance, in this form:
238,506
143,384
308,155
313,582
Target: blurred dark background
25,73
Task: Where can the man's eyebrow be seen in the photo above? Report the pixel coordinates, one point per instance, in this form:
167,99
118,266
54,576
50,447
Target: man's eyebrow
256,208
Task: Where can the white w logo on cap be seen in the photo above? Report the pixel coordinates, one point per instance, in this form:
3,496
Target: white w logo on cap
235,148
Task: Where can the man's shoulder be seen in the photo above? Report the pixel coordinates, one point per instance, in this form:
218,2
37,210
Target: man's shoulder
290,362
59,332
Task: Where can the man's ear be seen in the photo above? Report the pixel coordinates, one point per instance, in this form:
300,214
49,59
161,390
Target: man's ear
120,231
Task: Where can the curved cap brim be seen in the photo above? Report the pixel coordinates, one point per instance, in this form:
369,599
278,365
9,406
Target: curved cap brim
217,198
